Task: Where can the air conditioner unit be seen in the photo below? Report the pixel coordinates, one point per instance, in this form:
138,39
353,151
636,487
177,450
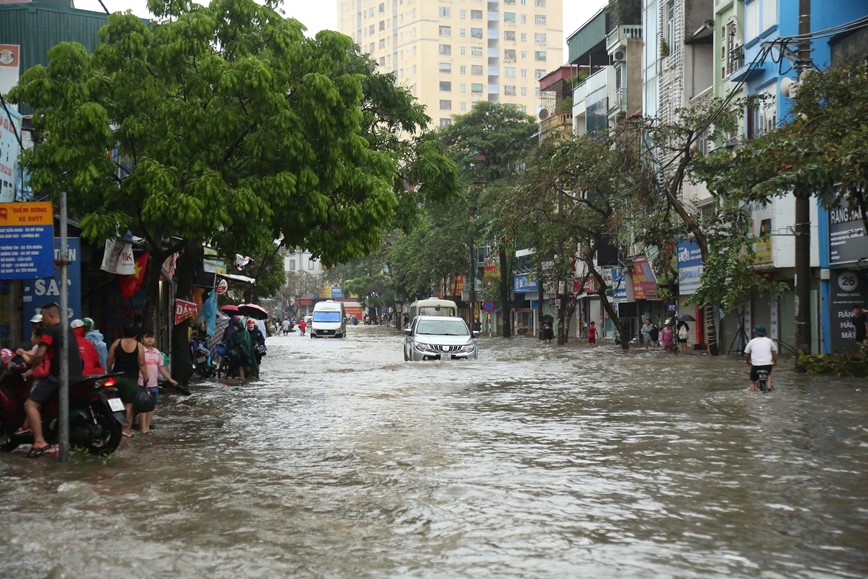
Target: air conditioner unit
620,55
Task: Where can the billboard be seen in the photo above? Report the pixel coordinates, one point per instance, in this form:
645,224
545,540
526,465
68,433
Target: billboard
689,267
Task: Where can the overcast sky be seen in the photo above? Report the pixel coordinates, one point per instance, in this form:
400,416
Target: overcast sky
320,14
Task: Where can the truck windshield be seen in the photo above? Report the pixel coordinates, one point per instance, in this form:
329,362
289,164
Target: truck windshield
334,317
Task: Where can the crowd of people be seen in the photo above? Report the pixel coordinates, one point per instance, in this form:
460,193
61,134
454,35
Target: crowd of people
674,332
134,357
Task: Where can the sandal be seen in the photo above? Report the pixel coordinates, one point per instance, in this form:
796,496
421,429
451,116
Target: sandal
35,452
128,434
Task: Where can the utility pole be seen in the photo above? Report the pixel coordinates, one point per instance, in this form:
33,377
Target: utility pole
803,207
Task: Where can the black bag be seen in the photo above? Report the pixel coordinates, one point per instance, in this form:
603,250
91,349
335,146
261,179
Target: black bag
261,349
144,401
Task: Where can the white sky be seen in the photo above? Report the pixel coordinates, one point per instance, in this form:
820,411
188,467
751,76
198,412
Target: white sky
321,14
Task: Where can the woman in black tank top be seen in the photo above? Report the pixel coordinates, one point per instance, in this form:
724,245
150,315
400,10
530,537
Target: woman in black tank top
127,357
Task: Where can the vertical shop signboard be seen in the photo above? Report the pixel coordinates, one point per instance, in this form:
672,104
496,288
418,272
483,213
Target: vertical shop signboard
37,292
849,288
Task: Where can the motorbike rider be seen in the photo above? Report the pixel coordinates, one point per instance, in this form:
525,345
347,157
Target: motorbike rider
50,343
761,353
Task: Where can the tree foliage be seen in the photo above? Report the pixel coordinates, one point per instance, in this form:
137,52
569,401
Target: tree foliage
822,149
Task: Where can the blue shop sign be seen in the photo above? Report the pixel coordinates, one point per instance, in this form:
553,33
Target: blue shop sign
689,267
525,283
37,292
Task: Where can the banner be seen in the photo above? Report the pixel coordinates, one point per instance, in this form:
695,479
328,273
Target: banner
118,257
689,267
644,282
10,130
184,310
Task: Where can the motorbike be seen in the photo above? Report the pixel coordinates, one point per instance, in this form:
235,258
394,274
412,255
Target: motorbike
201,356
96,412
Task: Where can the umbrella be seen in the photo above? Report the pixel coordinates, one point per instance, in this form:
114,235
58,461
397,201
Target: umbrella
253,311
229,309
685,318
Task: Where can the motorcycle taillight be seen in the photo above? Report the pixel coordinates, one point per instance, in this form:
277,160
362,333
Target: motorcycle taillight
109,382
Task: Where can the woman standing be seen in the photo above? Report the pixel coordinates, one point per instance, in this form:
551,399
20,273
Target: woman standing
666,337
240,347
127,357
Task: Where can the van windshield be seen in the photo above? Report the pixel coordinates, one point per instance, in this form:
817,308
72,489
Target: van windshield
327,317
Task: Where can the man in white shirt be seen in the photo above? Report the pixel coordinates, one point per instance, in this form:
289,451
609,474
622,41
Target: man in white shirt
761,353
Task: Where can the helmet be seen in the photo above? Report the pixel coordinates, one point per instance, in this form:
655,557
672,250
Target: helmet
88,324
759,330
76,324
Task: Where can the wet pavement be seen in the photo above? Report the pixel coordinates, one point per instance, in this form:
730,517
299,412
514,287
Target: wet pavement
534,461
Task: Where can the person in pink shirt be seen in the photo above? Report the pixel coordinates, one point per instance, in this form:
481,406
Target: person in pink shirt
155,367
667,337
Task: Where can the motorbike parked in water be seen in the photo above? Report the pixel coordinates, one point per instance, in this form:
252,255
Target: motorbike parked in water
201,356
96,412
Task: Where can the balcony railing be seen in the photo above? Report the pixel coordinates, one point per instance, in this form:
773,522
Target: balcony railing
735,60
621,35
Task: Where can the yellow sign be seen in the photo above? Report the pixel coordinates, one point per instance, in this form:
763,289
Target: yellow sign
17,214
763,250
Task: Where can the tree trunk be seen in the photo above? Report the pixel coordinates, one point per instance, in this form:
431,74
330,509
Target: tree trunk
504,293
188,263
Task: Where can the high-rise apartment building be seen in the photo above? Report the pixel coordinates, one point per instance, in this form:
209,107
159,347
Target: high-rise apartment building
453,53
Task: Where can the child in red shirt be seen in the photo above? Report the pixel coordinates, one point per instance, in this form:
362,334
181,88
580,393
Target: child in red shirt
592,333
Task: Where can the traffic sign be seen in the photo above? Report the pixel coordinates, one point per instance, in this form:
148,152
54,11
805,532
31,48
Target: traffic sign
488,306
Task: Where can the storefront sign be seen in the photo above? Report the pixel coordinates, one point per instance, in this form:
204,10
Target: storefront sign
849,288
525,283
26,240
644,282
184,310
619,285
37,292
10,127
847,240
689,267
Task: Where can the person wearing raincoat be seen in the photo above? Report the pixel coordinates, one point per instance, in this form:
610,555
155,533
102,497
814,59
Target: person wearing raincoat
240,347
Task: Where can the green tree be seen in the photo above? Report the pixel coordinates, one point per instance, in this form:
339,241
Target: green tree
570,202
234,130
822,149
488,145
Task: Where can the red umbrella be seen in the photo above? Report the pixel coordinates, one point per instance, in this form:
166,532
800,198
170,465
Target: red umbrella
253,311
229,309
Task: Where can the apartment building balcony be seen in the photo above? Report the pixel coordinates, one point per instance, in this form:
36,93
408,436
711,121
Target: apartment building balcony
618,103
593,83
559,122
619,36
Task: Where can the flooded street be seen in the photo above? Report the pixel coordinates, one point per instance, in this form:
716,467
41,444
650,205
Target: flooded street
534,461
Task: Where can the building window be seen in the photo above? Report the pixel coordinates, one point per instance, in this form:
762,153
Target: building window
731,53
445,12
310,264
445,86
669,32
539,73
462,69
509,71
476,14
759,16
540,3
763,117
476,88
445,67
445,105
292,265
539,19
476,69
445,49
509,90
509,55
445,31
445,122
509,35
509,17
462,88
540,55
476,32
476,51
463,107
539,37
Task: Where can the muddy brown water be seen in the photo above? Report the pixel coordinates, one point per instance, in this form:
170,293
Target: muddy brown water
534,461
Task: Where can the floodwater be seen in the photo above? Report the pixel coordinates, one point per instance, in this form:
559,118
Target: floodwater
534,461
